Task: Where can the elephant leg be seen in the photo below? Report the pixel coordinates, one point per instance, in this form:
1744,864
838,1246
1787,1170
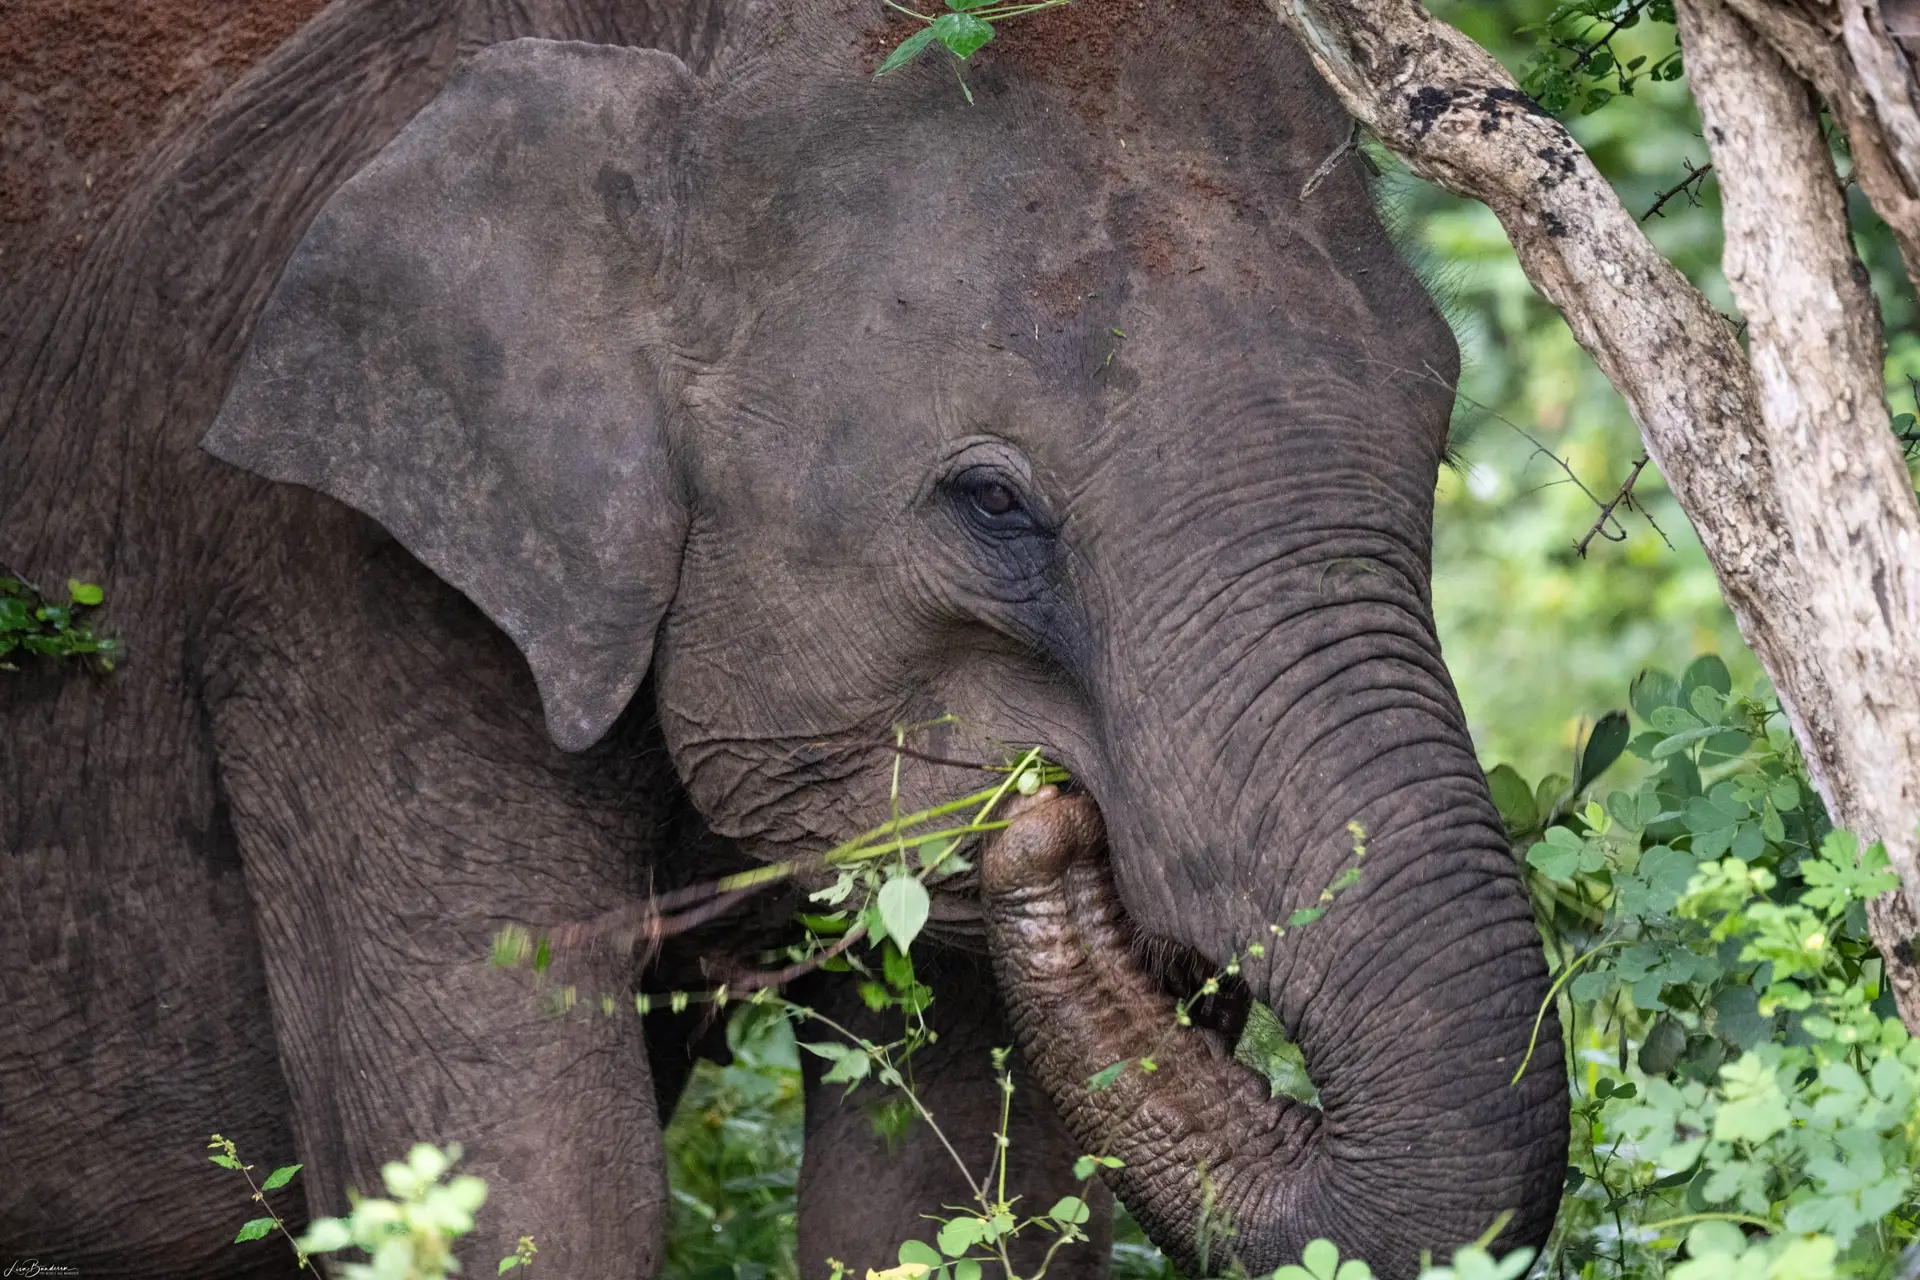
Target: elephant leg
861,1194
396,804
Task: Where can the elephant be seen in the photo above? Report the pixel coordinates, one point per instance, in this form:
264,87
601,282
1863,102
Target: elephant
539,452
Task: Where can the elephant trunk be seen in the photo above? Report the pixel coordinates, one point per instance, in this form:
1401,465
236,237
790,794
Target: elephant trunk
1423,1142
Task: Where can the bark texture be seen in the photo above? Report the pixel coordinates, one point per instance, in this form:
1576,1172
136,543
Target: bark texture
1857,54
1808,519
1815,345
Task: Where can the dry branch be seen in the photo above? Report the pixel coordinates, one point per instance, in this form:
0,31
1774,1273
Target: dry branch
1456,117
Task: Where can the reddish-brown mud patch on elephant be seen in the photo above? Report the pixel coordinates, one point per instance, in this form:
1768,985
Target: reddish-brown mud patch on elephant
89,90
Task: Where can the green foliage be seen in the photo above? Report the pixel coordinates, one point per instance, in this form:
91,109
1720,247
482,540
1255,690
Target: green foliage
963,30
1735,1058
1576,60
227,1156
522,1256
733,1156
409,1237
1320,1260
31,623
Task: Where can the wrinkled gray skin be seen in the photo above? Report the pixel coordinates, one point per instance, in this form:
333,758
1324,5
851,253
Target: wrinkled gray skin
771,407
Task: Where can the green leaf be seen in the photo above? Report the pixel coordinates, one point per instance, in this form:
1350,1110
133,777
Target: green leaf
1083,1168
1105,1076
1321,1257
1728,744
903,906
1553,859
225,1161
254,1230
1666,872
960,1235
1663,1046
1705,671
280,1177
962,33
324,1236
1651,690
84,593
908,50
1513,798
1070,1209
966,1269
828,1049
915,1251
1590,986
1604,745
1736,1017
1753,1109
506,1265
898,967
1682,739
1674,720
849,1070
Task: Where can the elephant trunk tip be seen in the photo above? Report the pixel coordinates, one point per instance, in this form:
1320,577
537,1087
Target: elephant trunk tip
1047,834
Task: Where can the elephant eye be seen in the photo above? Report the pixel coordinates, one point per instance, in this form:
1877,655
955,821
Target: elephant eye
994,498
992,502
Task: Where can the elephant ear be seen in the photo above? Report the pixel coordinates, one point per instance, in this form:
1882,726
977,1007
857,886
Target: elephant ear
462,347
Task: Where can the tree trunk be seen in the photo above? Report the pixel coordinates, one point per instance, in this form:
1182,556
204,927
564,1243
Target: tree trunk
1858,66
1807,515
1816,349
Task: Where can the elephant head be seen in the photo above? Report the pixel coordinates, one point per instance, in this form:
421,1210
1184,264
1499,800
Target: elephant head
1053,407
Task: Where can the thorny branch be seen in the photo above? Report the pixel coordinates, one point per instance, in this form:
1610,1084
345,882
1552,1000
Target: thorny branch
1623,497
1687,186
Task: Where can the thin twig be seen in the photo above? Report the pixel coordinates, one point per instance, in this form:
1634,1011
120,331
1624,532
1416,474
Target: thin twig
1327,166
756,979
1624,500
644,926
1623,497
1681,187
1619,24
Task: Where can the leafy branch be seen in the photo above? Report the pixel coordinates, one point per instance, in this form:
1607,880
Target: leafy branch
227,1156
1576,58
32,623
963,30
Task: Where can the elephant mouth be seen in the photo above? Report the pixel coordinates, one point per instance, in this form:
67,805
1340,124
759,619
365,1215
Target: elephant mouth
958,917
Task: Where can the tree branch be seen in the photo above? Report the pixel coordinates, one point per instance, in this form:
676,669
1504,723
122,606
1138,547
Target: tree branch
1684,186
1443,103
1622,498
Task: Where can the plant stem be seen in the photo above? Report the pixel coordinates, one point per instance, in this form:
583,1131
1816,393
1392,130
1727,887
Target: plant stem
1533,1041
